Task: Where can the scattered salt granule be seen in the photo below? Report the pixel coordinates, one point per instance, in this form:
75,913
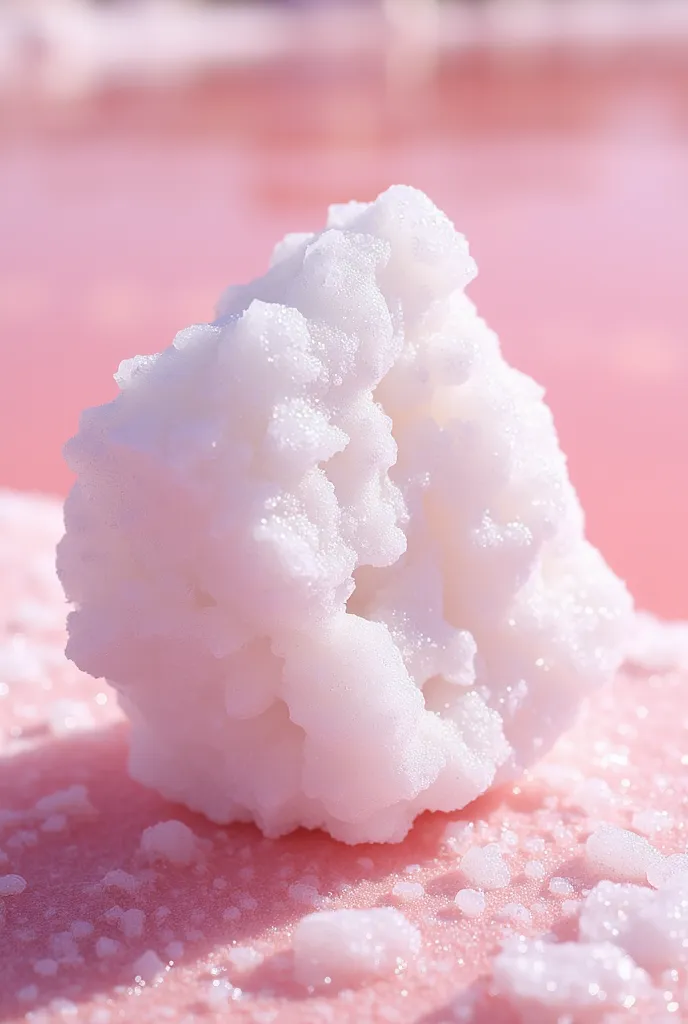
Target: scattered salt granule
341,513
344,948
74,802
619,855
534,869
171,841
485,867
470,902
132,922
47,967
560,887
107,947
148,967
571,981
517,914
407,892
119,879
245,958
12,885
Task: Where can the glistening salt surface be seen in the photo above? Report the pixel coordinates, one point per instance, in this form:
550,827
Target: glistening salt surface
335,521
225,919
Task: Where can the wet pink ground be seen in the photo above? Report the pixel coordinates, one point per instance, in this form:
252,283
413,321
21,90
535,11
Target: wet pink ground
124,216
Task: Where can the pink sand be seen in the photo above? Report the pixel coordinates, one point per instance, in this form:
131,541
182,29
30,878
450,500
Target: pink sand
70,941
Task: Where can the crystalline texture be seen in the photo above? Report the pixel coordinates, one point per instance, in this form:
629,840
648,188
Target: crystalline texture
326,547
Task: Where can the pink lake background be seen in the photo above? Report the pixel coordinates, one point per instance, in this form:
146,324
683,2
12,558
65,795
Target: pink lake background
124,211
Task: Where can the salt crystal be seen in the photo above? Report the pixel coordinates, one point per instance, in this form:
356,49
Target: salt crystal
148,967
12,885
219,993
470,902
560,887
568,978
345,408
171,841
345,948
107,947
119,879
81,929
485,867
47,967
407,892
132,923
305,894
245,958
619,855
534,869
174,950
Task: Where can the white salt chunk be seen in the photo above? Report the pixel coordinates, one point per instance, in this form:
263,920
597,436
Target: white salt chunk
74,802
345,948
174,950
12,885
148,967
81,929
307,895
407,892
517,914
534,869
619,855
297,504
548,981
485,867
470,902
171,841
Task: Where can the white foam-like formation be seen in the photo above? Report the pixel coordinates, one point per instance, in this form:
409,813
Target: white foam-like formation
567,981
345,948
485,867
336,520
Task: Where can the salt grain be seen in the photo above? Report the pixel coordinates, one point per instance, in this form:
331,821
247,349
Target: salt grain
485,867
619,855
408,892
470,902
170,841
12,885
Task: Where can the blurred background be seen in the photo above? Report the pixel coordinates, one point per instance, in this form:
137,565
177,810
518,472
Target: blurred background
152,151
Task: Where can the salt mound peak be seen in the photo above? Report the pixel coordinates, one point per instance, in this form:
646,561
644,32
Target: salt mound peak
326,547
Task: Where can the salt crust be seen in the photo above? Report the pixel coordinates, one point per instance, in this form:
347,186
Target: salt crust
336,521
345,948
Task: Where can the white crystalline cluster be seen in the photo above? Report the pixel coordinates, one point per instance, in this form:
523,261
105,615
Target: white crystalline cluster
326,547
345,948
578,981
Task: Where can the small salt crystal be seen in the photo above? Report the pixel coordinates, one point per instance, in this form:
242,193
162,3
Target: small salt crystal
344,948
560,887
307,895
132,923
485,867
470,902
516,913
119,879
407,892
12,885
81,929
107,947
534,869
46,967
619,855
245,958
148,967
171,841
